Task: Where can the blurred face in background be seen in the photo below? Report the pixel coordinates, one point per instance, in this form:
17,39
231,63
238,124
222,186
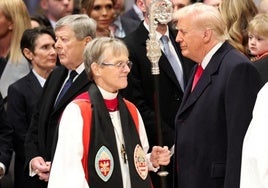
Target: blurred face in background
177,4
56,9
119,6
103,13
6,25
6,28
144,7
214,3
263,6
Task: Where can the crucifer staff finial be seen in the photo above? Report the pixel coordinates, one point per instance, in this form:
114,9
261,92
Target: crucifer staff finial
160,12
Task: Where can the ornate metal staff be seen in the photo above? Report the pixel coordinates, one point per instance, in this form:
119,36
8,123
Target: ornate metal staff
160,12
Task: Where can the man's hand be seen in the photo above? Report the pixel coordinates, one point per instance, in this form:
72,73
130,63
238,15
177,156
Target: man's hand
41,168
160,156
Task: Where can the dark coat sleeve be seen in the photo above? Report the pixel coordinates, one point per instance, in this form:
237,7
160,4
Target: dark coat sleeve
6,133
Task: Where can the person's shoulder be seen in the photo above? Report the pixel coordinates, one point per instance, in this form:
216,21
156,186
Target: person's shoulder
58,71
137,33
21,81
129,21
261,62
129,13
82,97
229,52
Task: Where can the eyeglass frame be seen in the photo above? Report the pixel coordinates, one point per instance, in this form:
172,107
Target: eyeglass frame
120,64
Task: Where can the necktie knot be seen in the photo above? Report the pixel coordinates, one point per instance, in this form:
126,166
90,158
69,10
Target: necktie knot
73,74
164,39
111,104
66,86
175,64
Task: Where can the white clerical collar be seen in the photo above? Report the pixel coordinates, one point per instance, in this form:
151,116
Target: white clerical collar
106,94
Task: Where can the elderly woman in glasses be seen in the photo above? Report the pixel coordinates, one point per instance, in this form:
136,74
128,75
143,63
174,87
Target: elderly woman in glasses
102,140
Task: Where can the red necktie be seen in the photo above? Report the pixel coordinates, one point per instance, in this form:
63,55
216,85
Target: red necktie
197,75
112,105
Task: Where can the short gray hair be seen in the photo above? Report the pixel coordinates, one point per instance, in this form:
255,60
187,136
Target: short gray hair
95,51
81,24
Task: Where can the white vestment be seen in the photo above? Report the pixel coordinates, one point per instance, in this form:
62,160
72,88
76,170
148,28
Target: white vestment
254,168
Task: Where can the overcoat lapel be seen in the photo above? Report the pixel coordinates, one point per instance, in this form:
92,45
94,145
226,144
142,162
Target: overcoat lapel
33,84
211,70
79,83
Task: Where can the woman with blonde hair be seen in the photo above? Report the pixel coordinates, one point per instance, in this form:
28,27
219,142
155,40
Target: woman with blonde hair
236,15
14,20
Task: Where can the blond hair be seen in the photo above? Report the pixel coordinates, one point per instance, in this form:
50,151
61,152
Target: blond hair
259,25
205,16
17,13
237,14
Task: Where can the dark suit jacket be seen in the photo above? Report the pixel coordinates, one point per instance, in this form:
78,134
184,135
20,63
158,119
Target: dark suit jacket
6,133
22,98
129,25
140,89
212,121
262,67
131,14
41,134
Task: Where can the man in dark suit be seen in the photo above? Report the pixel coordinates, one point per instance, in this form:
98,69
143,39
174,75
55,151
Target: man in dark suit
73,32
215,112
134,13
141,91
122,25
37,46
6,133
54,10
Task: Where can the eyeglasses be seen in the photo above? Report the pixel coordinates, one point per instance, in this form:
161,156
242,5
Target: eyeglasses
120,64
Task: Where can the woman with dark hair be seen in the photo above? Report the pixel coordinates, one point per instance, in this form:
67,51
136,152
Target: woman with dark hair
102,11
37,45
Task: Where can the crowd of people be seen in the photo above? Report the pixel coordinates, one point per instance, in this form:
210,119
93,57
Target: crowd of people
80,105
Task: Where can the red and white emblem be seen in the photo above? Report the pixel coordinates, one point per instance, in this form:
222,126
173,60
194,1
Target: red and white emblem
140,162
104,163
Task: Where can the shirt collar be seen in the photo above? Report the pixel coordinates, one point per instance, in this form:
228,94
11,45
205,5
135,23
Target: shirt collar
40,79
209,55
80,68
107,95
158,35
138,11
